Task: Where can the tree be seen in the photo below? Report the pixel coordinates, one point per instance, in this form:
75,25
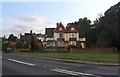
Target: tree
5,45
33,41
26,44
18,43
12,38
107,28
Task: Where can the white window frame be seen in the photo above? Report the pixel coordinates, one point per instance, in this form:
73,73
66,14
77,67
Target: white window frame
60,43
73,35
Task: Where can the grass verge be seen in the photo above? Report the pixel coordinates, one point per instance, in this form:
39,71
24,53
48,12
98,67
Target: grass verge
103,57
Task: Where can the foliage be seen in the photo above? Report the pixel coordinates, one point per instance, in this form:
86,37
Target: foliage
12,38
106,31
107,28
25,44
5,45
33,42
68,46
18,43
107,57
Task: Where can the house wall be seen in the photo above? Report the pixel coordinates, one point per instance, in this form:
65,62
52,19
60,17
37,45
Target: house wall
56,35
82,39
13,44
77,36
82,44
39,44
68,36
67,39
47,39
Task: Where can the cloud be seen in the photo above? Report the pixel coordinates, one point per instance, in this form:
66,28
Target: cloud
25,24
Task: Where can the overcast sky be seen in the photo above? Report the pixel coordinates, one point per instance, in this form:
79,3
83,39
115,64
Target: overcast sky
25,15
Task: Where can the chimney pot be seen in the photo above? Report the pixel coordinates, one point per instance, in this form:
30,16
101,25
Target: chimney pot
31,31
57,24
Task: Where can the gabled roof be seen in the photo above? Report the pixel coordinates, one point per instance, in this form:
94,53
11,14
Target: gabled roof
49,32
60,28
72,29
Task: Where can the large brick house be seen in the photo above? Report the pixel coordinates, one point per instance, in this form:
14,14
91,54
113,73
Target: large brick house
60,36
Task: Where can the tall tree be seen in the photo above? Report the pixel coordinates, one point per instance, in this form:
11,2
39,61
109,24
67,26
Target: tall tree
12,38
107,27
18,43
33,41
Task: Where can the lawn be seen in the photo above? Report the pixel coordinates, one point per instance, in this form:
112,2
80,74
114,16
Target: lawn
105,57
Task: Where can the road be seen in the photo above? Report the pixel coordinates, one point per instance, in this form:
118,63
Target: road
21,65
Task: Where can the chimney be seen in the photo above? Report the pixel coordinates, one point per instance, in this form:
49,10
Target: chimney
30,31
61,23
57,24
20,34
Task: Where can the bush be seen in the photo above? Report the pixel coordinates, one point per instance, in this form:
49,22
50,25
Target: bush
25,45
68,46
18,44
5,45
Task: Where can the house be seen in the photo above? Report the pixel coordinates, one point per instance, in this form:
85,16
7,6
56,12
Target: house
27,37
49,32
60,36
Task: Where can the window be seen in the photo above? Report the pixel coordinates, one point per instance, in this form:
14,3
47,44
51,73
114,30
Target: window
51,43
72,28
60,43
61,35
60,28
73,35
72,43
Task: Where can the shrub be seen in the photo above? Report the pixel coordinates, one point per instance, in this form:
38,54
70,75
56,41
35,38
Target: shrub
68,46
18,44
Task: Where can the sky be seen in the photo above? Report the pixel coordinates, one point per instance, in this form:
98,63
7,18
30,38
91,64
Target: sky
21,16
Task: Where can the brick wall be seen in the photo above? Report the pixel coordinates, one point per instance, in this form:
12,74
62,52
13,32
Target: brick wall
84,50
99,50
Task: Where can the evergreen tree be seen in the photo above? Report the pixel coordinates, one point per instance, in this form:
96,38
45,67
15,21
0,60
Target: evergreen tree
12,38
18,44
33,42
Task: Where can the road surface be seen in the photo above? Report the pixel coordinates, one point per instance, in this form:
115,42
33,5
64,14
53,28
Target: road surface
21,65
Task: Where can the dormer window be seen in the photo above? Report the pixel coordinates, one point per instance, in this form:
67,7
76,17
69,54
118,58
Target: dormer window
60,28
72,28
